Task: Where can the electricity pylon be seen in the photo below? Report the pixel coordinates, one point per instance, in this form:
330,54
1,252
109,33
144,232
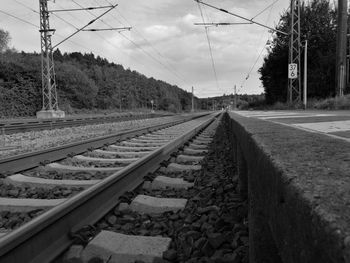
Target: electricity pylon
341,69
49,93
294,85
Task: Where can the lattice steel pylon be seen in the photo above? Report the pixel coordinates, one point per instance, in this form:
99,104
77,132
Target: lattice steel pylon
294,85
49,93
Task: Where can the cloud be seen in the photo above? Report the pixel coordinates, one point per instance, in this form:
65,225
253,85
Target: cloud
161,32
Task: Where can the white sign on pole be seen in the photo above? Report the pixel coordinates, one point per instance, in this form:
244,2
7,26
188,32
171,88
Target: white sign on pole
292,71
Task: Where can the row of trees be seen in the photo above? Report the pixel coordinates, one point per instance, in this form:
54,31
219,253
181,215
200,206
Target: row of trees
84,82
319,26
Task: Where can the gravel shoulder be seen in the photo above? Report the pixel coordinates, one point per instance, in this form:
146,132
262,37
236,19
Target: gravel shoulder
26,142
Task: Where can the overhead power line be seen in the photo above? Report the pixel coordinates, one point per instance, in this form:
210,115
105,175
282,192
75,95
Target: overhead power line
241,17
221,24
88,24
62,19
210,49
263,48
102,37
18,18
107,29
272,4
169,66
37,12
79,9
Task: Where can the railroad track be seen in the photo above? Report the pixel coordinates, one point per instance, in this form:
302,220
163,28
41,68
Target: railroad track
44,124
85,186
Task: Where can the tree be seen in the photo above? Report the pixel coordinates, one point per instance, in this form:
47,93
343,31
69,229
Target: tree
4,40
318,25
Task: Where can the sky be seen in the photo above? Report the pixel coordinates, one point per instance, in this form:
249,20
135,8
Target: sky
163,43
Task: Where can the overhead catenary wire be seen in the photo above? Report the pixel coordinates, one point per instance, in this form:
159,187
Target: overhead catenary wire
64,20
150,44
139,47
97,33
88,24
221,24
134,43
210,48
37,12
107,29
78,9
272,4
36,26
241,17
18,18
262,50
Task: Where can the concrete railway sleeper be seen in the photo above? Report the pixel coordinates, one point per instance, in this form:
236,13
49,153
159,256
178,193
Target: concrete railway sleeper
67,191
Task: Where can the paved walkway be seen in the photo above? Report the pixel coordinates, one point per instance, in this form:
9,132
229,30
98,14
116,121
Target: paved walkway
331,123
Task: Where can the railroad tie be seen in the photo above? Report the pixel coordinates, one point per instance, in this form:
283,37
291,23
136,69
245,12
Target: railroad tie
164,182
105,160
27,204
119,148
20,179
189,158
144,204
114,247
104,153
176,167
189,151
198,146
70,168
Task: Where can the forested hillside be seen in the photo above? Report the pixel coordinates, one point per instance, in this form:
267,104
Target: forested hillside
84,82
318,26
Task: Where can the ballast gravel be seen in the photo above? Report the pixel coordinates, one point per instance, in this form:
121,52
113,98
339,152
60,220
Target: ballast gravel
19,143
13,220
24,191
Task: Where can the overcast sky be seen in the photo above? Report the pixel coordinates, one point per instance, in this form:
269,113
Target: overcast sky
163,43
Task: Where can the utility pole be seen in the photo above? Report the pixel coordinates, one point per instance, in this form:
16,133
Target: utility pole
294,84
341,47
152,102
120,99
235,105
305,76
50,101
192,101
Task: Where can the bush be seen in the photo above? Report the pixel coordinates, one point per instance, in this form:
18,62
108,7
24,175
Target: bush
337,103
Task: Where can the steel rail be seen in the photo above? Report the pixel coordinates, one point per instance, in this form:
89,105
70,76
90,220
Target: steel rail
31,125
31,160
47,236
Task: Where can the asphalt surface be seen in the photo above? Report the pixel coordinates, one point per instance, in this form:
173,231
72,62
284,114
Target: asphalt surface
335,124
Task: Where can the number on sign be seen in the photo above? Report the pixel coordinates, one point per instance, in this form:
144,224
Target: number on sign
292,71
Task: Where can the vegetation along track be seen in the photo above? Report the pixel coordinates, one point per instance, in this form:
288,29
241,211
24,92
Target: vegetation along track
10,127
52,197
